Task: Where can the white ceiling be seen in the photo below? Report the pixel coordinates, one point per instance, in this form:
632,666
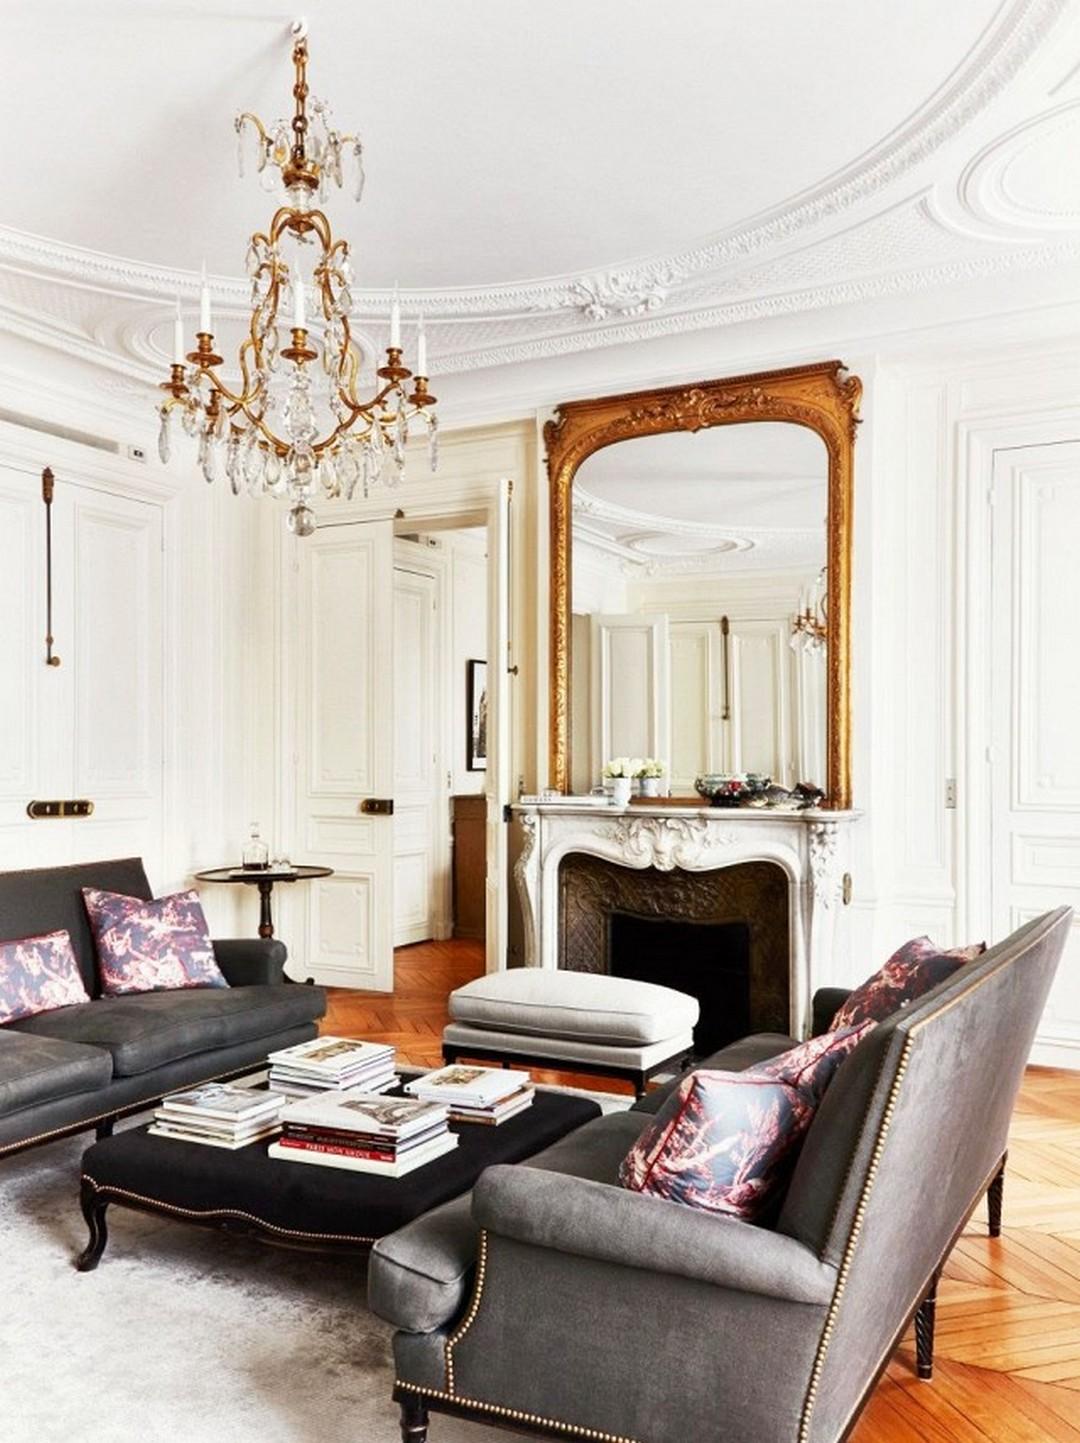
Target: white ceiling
542,180
735,498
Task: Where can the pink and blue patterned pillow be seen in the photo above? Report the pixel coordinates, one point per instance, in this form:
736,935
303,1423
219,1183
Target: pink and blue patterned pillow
38,974
726,1142
151,946
912,970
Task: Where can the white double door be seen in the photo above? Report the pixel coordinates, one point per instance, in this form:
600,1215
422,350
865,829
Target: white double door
91,728
359,637
698,698
1034,757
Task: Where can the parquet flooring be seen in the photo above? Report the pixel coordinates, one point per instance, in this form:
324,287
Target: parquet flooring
1007,1357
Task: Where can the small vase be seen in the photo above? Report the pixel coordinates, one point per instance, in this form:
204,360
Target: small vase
650,786
620,791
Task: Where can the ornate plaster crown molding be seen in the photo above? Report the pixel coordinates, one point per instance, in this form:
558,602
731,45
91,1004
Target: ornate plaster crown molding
587,503
632,289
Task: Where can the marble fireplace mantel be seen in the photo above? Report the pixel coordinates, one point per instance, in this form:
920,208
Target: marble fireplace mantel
812,847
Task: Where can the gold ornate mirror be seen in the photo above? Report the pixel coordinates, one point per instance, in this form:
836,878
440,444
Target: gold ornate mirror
683,529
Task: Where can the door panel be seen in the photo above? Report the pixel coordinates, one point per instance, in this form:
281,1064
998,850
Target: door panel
414,756
1035,700
93,726
696,736
631,690
760,713
345,644
115,651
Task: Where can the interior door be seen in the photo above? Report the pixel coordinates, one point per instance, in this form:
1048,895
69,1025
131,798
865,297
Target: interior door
697,723
345,619
415,761
112,623
498,770
91,727
631,688
759,736
1035,702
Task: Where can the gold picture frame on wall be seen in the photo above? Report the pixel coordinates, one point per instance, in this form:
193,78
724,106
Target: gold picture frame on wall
822,397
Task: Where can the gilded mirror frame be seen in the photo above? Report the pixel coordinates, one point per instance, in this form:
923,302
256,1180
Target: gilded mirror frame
821,397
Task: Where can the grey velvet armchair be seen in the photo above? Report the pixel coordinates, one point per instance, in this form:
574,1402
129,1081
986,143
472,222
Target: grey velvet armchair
559,1304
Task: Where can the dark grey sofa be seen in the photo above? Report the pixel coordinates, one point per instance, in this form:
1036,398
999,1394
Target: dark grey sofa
80,1067
555,1302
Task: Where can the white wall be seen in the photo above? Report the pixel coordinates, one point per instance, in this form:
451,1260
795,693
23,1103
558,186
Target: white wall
217,668
922,595
920,482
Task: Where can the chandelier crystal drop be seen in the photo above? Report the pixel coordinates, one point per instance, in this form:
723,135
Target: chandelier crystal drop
810,626
296,424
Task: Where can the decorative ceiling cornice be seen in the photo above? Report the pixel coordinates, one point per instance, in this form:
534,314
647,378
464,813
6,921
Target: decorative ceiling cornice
634,287
586,504
709,284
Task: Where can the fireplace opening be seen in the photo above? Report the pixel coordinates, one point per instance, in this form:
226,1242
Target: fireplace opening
707,960
721,935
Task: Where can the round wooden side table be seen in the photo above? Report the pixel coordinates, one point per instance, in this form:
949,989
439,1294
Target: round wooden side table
263,878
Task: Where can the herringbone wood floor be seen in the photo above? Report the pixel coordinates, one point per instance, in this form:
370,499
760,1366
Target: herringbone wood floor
1008,1324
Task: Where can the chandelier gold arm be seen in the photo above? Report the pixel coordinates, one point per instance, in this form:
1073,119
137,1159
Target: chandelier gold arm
308,152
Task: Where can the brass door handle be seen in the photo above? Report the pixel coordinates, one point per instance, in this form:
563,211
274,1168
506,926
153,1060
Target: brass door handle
378,806
42,811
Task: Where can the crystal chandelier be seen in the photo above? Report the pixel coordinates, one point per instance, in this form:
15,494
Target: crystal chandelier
295,424
810,626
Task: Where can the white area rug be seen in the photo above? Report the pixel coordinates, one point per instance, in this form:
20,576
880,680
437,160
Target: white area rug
182,1335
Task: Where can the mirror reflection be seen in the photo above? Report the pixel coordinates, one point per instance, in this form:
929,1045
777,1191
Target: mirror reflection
698,633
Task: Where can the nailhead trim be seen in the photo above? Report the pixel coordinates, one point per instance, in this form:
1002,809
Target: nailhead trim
852,1244
474,1308
516,1414
119,1192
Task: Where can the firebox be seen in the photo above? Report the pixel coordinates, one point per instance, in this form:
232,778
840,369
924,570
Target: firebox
721,935
707,960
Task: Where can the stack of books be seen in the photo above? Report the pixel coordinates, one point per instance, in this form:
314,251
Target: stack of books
476,1094
332,1064
363,1132
218,1115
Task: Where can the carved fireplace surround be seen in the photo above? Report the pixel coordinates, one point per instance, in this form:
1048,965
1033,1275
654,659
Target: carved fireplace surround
811,848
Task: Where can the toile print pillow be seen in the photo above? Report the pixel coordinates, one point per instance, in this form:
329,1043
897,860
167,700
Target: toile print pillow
911,971
151,946
38,974
726,1142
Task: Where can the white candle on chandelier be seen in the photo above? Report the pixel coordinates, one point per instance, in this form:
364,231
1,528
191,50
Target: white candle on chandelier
395,321
204,304
178,336
421,350
298,300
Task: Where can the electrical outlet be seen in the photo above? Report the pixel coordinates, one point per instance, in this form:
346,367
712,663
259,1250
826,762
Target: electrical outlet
136,453
950,793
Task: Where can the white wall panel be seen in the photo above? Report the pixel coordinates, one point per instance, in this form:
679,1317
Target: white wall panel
1046,756
22,633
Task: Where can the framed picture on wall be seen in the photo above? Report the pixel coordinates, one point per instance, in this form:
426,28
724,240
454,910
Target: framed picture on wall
476,720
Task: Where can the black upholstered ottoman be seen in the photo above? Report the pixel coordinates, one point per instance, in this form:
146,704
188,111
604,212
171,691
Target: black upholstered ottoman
303,1206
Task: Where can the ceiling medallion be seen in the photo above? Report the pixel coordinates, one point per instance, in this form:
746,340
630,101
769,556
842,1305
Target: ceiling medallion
328,438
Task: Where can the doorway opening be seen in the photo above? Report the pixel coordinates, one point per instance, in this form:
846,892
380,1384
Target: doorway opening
440,733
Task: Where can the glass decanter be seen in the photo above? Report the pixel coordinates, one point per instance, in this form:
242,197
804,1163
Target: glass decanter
256,854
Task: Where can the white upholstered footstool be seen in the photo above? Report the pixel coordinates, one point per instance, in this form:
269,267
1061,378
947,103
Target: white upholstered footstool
582,1021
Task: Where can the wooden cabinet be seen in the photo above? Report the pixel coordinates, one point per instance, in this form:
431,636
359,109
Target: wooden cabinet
470,865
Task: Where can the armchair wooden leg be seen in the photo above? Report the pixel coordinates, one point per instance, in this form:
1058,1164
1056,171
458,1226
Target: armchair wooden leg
994,1196
414,1420
924,1331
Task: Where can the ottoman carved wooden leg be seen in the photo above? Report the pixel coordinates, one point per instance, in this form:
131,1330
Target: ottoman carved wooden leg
93,1204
